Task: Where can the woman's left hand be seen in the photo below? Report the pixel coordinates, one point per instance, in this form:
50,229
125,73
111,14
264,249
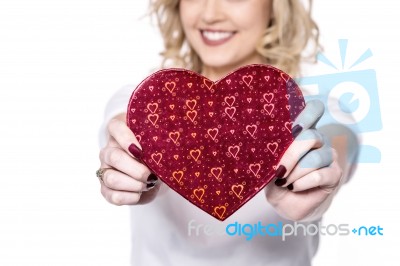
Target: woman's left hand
309,172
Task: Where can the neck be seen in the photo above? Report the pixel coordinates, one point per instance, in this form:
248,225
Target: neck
215,73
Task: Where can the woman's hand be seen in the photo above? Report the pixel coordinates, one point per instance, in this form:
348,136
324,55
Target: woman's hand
310,172
125,181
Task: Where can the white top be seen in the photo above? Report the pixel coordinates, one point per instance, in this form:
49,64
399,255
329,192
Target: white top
172,231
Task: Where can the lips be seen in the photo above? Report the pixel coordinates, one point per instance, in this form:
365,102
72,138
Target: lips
213,37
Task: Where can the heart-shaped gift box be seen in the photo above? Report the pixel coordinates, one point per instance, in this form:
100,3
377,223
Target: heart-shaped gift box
217,144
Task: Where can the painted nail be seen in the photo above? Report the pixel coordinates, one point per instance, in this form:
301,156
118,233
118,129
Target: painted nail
150,186
280,182
152,179
290,187
296,130
135,151
280,172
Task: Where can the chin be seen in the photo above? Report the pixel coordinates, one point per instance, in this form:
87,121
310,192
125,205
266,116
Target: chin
216,63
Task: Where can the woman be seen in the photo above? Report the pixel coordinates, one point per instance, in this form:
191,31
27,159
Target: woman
215,37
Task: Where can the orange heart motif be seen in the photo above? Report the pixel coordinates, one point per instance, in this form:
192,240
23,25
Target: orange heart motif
217,144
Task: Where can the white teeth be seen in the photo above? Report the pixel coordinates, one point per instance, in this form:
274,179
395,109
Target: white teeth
216,35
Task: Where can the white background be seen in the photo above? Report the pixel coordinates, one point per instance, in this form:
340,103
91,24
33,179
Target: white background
60,60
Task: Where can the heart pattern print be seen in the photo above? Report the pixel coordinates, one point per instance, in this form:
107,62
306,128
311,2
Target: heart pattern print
215,143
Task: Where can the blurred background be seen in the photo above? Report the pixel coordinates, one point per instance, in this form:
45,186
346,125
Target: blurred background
61,60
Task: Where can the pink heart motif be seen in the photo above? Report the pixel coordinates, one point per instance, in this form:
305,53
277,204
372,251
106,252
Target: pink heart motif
199,137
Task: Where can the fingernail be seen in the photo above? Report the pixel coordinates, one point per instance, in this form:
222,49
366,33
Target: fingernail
280,172
280,182
290,187
152,179
296,130
150,186
135,151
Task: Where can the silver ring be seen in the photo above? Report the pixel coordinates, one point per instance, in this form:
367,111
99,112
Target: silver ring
100,173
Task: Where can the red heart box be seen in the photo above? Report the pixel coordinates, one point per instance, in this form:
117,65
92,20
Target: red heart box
215,143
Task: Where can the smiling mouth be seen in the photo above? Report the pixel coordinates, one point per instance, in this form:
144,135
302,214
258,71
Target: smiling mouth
213,38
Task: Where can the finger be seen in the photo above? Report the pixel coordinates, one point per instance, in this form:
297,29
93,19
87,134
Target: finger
327,178
121,161
309,117
125,137
113,143
116,180
313,160
307,140
120,197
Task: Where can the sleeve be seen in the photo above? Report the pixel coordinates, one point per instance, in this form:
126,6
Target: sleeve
116,105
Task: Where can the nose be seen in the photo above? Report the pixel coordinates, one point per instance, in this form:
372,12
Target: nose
212,11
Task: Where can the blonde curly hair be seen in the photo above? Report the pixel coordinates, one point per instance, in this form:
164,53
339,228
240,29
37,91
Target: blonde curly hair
290,31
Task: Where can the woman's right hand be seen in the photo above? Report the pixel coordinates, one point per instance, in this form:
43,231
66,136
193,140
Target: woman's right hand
125,180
